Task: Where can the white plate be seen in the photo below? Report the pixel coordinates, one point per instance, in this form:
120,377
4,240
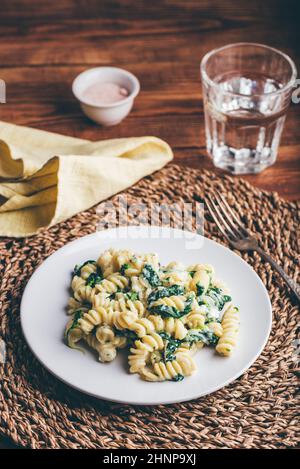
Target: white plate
43,317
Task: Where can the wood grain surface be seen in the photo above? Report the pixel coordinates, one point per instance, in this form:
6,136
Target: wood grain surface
44,45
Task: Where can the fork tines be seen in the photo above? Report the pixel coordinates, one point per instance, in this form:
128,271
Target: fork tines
224,217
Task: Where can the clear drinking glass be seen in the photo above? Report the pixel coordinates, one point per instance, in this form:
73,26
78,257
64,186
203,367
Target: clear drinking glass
247,89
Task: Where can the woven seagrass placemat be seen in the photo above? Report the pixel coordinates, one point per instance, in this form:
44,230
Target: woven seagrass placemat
259,410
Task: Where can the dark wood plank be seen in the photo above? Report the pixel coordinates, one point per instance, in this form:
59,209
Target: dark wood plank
44,45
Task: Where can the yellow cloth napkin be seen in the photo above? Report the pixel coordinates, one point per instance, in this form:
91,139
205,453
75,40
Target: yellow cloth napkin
46,178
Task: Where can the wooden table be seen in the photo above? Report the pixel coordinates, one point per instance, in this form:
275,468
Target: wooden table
46,44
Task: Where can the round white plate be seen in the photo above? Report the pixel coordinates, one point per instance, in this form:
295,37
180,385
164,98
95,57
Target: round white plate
43,317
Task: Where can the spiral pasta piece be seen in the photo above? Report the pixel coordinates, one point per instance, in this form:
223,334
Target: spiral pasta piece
140,354
123,257
137,359
200,282
207,267
142,326
151,259
112,283
175,274
175,301
216,328
133,267
230,325
183,365
105,262
150,342
85,293
93,318
101,299
77,282
175,327
73,333
121,303
172,326
141,287
87,269
135,307
106,352
125,304
106,335
124,320
74,305
194,320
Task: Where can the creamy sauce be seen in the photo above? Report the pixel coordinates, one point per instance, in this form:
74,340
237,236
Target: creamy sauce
104,93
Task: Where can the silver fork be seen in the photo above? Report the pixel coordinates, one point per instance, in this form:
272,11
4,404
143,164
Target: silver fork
239,238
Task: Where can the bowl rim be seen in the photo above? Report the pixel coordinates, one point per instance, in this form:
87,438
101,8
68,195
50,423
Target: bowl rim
120,71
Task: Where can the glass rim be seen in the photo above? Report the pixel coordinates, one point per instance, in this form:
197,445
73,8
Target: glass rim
214,84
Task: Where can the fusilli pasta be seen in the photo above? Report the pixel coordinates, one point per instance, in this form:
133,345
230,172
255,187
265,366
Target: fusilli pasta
164,314
230,326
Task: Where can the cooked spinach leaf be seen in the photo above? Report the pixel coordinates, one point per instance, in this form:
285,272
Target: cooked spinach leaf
200,289
77,315
164,335
166,280
166,311
188,305
164,292
150,275
178,377
210,319
204,335
93,279
227,298
123,269
130,335
77,268
132,295
218,297
170,349
125,291
171,345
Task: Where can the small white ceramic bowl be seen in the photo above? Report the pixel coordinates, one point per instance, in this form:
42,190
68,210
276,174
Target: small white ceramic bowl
106,114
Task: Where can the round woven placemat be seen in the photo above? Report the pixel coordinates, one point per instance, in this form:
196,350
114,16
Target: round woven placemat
259,410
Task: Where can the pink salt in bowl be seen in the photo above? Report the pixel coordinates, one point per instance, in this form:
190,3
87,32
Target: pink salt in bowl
106,94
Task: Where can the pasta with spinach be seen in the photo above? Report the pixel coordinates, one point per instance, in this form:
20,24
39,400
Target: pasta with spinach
161,314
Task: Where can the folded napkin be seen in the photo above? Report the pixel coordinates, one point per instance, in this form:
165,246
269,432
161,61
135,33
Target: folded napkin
46,178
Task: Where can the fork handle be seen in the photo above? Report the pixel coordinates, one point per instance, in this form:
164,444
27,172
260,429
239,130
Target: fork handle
294,286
